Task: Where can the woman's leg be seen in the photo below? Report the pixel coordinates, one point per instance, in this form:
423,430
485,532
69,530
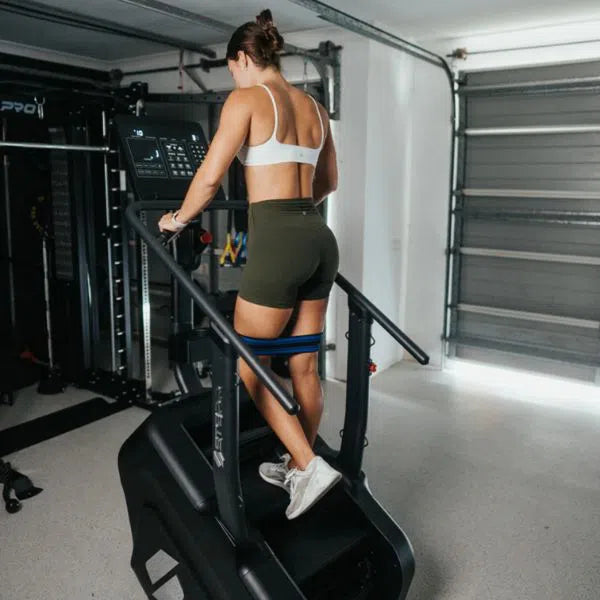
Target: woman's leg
304,369
254,320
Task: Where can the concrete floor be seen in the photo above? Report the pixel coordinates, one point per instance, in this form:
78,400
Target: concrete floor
496,482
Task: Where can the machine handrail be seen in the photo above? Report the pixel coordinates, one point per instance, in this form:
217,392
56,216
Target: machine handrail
202,300
363,302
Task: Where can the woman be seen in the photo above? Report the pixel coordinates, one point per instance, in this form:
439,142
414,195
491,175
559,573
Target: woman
282,137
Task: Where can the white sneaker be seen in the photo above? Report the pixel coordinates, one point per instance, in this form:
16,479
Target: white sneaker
308,486
275,473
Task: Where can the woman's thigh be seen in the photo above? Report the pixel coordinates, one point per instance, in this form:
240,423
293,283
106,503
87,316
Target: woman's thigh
309,318
255,320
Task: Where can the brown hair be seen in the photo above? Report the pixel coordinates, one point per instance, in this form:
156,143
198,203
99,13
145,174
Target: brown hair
260,40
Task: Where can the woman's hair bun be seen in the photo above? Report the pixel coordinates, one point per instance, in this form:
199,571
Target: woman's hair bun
265,21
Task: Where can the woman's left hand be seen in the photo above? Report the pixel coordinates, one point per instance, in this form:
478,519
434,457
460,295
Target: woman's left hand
166,223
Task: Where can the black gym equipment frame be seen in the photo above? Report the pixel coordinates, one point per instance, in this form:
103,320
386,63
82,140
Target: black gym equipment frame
74,104
73,143
183,499
325,59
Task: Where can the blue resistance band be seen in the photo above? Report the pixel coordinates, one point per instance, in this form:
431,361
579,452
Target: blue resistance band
296,344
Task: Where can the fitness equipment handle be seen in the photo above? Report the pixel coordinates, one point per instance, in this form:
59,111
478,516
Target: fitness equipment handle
356,296
218,321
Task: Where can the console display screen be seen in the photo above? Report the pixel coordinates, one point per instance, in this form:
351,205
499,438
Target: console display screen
145,150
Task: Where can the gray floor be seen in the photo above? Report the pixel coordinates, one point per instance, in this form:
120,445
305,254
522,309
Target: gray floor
497,485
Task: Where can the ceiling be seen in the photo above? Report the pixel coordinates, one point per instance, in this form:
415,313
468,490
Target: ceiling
422,20
435,19
102,46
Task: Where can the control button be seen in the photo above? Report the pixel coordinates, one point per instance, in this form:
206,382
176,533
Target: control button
190,173
176,173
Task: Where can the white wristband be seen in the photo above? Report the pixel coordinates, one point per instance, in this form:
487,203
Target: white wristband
178,224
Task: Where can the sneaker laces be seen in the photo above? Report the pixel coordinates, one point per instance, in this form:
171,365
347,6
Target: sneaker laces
291,481
282,466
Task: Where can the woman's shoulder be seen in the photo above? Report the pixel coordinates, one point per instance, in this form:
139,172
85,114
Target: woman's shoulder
322,110
245,97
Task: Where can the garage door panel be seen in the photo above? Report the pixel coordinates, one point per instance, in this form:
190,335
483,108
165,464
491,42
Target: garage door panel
579,205
533,155
540,73
524,183
539,338
532,299
564,290
548,140
522,274
579,241
539,172
539,364
556,109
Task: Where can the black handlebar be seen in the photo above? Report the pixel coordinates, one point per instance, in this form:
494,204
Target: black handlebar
222,326
217,320
356,296
164,238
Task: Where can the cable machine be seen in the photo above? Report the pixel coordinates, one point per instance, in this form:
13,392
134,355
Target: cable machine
60,177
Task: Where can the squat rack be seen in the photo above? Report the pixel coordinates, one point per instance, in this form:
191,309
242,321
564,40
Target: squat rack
110,224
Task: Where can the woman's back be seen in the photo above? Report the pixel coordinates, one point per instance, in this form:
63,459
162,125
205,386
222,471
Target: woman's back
298,124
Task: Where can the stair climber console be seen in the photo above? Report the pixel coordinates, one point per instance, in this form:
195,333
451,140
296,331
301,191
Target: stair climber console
162,156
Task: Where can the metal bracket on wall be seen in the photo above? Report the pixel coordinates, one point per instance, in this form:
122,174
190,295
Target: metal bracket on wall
325,59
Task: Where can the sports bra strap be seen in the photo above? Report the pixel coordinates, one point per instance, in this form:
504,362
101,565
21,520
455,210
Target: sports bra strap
320,120
274,108
277,116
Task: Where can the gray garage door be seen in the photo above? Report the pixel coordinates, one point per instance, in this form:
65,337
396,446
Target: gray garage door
524,285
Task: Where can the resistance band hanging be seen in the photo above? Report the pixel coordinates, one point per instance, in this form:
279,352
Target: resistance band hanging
241,240
234,252
229,254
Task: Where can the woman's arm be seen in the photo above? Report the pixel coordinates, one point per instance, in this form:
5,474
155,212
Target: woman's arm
326,173
231,134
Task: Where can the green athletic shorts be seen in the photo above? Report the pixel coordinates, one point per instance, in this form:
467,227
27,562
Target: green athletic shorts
291,254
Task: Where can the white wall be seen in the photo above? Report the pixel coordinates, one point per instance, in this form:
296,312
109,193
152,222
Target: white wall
392,202
429,204
388,154
347,212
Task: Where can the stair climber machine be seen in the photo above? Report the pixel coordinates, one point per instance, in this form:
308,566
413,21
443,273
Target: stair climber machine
206,526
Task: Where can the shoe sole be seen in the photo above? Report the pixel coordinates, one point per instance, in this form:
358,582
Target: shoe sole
320,495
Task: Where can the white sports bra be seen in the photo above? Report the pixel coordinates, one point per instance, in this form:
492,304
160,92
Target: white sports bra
273,152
